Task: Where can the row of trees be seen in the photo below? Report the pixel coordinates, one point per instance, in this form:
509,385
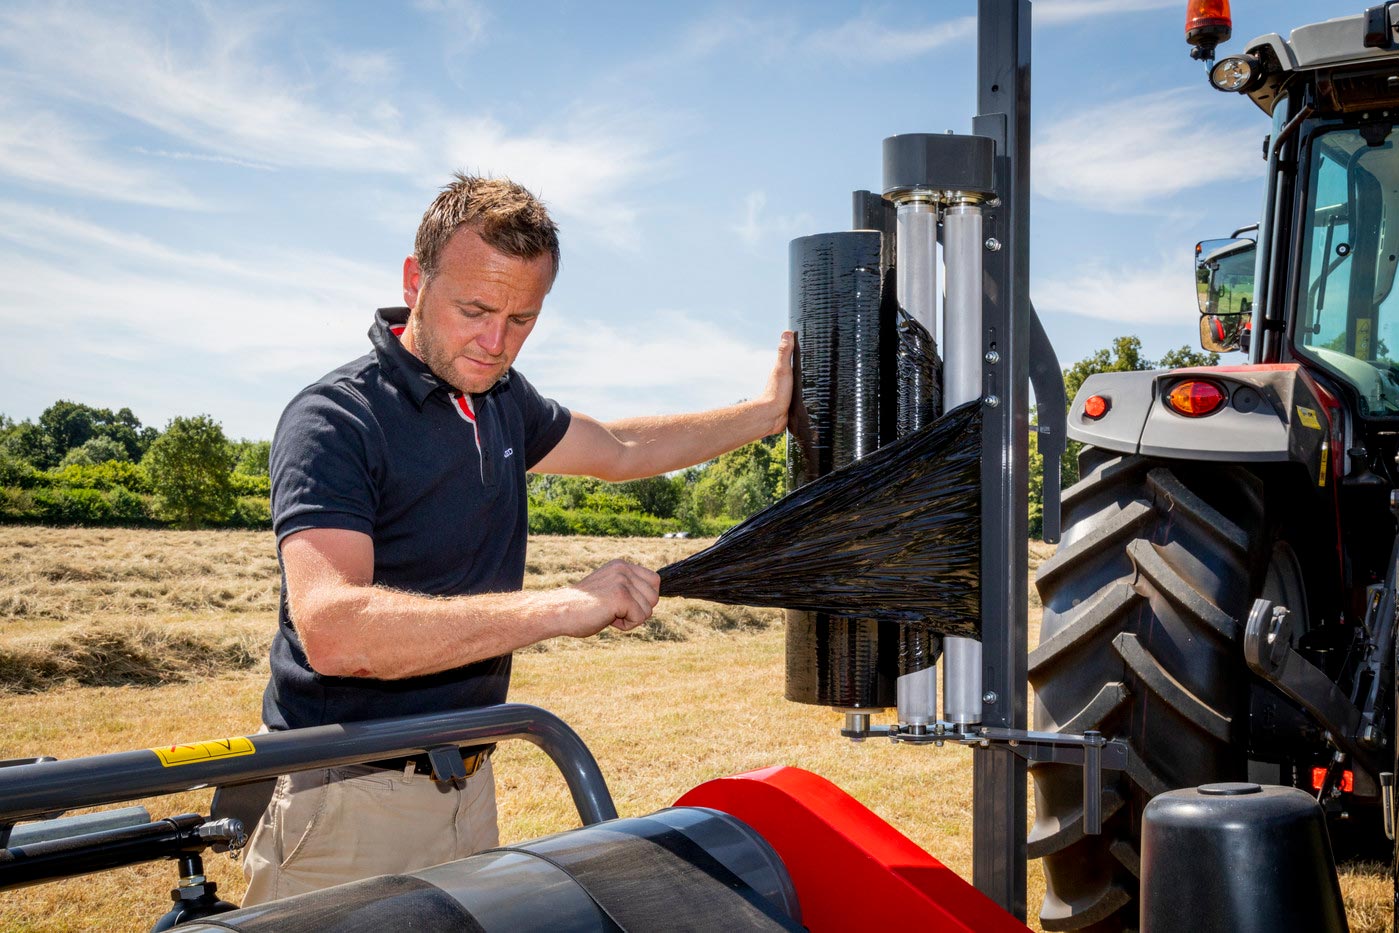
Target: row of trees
703,500
77,464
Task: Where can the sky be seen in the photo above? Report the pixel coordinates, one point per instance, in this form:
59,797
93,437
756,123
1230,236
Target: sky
201,204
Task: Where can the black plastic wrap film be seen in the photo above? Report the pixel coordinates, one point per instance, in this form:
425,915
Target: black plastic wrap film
837,293
891,537
841,299
918,388
868,566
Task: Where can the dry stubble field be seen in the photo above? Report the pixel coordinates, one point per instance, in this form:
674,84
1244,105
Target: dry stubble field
115,640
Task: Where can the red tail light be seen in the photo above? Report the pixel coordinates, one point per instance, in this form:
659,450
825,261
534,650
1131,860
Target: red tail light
1347,780
1195,397
1096,406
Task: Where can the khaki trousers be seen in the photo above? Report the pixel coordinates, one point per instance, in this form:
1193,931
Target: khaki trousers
330,826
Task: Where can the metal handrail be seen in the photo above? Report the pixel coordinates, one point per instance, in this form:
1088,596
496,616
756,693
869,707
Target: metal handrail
31,790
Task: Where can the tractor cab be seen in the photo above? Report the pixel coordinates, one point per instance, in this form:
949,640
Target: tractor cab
1327,248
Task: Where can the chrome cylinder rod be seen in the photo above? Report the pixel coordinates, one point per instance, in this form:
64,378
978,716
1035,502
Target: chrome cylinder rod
917,284
962,363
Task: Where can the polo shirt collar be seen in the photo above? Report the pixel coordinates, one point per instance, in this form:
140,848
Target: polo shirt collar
405,370
410,374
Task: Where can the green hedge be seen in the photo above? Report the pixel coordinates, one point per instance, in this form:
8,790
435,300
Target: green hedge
49,506
245,485
549,519
110,475
118,506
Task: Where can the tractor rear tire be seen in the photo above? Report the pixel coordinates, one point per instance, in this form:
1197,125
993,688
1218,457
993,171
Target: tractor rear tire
1144,608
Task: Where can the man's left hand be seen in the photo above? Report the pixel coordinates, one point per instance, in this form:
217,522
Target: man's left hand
777,395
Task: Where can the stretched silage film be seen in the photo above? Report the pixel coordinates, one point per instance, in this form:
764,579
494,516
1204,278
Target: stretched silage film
891,537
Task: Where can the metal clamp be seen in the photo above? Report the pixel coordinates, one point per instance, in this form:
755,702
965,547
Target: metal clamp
1091,751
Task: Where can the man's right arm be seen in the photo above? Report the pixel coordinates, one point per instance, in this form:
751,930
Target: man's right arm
351,628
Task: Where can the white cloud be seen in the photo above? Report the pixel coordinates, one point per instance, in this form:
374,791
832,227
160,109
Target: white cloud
1064,11
675,363
863,39
759,224
86,306
43,150
211,87
215,90
582,170
1139,293
1124,154
464,19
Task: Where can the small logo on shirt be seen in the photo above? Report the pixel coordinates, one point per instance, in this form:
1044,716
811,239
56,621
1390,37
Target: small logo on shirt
509,452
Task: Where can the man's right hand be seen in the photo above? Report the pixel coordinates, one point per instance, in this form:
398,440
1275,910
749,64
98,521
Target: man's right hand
618,593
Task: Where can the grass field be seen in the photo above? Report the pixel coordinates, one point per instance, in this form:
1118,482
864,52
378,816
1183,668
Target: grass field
115,640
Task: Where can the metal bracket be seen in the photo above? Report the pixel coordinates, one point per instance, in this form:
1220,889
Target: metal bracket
1269,653
1091,751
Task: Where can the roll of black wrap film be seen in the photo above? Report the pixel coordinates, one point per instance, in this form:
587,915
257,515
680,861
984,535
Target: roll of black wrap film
869,551
837,299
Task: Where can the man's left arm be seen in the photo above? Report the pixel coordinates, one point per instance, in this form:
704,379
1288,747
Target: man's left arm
633,448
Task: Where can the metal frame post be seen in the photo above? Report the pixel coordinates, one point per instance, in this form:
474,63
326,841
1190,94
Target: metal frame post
1003,108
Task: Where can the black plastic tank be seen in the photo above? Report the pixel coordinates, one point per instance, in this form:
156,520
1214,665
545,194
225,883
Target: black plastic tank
1238,858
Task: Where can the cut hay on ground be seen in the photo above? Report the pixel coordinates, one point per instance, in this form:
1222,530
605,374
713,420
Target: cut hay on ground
695,695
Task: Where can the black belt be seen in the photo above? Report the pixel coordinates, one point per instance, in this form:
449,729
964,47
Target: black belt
471,758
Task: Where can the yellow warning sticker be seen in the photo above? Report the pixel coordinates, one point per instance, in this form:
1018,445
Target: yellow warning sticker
1308,417
1325,461
172,755
1362,338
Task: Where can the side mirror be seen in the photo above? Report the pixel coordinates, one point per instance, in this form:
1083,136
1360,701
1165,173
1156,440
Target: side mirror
1224,287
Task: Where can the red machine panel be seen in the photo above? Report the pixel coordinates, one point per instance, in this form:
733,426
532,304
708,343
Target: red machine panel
852,870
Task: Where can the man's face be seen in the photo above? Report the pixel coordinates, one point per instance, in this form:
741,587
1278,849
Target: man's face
471,317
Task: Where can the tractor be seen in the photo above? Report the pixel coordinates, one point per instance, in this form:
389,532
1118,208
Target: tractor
1220,611
1223,595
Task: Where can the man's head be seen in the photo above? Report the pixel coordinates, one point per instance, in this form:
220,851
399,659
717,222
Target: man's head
486,254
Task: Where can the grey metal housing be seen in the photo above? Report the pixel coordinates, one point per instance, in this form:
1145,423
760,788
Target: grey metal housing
1269,417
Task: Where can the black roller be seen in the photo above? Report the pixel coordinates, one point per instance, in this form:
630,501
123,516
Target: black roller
685,868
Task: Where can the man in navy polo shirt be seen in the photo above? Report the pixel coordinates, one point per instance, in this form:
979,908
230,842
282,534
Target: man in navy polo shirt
399,504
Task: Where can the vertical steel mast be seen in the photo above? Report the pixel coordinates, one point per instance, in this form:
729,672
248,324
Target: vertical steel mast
1003,114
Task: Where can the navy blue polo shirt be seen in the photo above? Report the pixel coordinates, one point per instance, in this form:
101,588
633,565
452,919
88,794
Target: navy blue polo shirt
437,479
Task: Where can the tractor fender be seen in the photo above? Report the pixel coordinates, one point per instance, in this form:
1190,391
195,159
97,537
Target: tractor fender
1271,413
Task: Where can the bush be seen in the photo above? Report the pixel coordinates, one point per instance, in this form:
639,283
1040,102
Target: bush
14,471
550,519
17,506
111,475
128,508
71,506
252,512
246,484
95,450
190,467
253,457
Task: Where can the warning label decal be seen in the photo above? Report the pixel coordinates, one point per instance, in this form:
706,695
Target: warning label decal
1308,417
172,755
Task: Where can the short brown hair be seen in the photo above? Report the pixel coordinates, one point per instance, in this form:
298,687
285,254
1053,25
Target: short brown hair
502,213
